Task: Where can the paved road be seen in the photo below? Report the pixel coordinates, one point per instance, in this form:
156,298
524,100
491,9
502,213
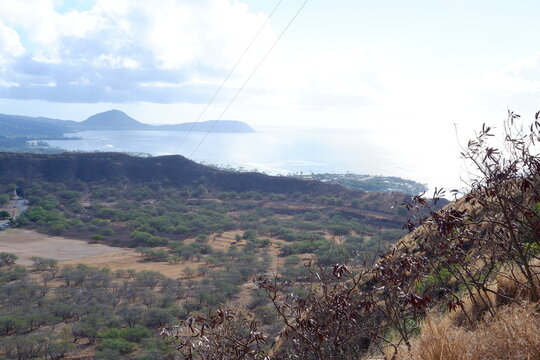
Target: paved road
18,206
22,205
4,225
15,208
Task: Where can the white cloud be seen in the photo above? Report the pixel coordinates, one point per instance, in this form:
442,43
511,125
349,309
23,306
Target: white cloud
37,19
116,62
10,48
10,44
118,46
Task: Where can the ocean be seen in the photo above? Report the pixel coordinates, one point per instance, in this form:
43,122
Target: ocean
282,151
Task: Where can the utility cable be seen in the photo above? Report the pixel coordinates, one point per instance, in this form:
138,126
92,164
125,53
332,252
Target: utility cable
216,93
249,78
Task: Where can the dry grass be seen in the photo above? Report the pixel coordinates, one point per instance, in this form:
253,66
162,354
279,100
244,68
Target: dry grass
513,285
474,308
135,261
27,243
514,333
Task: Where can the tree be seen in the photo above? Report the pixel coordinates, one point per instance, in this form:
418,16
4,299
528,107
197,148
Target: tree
26,346
58,349
7,259
87,329
44,264
4,199
4,214
131,315
189,272
117,345
158,317
9,323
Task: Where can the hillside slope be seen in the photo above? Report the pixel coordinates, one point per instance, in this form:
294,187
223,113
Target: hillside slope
112,120
14,125
175,169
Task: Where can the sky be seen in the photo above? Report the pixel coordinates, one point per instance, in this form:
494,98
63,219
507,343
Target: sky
408,71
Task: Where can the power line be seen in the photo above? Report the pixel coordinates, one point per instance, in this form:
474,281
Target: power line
227,77
249,78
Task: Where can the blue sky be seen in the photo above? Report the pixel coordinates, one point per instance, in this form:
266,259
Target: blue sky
405,68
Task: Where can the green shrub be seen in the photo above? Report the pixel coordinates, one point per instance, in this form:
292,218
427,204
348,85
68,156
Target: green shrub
133,335
115,344
108,232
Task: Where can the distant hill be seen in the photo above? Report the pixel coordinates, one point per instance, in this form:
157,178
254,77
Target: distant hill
174,169
113,120
215,126
17,125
